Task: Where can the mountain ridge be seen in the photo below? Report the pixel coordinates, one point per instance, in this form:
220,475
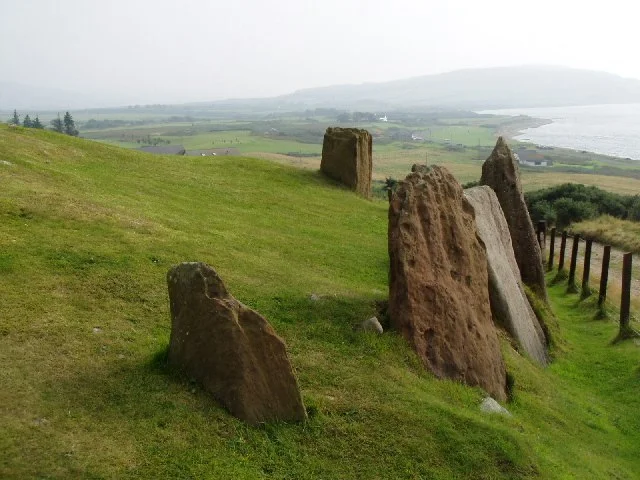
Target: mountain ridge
483,88
465,89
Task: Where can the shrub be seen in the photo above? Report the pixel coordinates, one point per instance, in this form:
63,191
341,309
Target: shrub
572,202
568,210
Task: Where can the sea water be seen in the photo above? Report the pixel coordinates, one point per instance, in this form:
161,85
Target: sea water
606,129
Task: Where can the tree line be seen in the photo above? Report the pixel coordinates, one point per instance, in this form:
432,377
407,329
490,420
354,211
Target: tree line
572,202
64,125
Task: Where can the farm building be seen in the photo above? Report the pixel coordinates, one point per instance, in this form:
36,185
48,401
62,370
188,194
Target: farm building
531,158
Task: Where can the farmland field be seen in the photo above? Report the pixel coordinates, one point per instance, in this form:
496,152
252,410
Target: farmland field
461,144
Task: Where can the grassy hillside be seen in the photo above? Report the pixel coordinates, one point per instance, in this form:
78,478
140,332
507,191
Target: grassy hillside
623,234
87,234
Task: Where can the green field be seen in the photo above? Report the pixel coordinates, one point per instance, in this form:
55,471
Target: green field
461,144
88,232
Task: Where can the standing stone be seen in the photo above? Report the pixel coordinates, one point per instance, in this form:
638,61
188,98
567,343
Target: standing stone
509,304
347,158
438,295
500,172
229,348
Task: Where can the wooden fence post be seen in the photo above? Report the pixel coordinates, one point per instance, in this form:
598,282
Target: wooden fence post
552,247
571,285
625,300
563,247
541,232
586,291
604,276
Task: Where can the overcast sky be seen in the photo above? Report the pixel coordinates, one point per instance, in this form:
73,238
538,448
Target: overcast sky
147,51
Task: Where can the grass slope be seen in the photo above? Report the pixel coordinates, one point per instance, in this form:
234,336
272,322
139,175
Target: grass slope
87,233
606,229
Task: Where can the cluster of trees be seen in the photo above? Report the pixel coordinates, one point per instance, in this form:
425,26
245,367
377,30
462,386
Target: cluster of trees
93,124
27,122
61,125
149,140
66,125
572,202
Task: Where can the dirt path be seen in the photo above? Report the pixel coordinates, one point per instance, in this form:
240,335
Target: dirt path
615,269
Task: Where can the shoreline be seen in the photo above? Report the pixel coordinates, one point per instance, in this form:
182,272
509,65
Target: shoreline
519,124
512,130
582,130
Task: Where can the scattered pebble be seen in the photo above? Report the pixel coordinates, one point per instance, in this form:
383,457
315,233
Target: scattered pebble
371,324
40,421
489,405
5,162
314,297
97,330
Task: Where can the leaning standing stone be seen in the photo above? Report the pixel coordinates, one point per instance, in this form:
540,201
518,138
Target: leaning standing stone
229,348
509,304
500,172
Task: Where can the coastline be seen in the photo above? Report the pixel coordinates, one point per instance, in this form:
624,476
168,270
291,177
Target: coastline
608,130
519,124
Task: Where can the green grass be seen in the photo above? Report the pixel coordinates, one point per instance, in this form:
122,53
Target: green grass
623,234
242,140
87,234
533,180
443,137
467,135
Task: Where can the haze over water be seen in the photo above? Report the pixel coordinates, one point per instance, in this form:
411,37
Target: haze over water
606,129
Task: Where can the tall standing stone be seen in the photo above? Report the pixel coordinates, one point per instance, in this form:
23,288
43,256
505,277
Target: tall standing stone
509,304
500,172
438,294
229,348
347,158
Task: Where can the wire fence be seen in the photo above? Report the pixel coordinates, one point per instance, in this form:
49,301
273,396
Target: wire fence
593,269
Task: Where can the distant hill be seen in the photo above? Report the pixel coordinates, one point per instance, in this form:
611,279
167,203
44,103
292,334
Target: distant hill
487,88
31,99
27,97
473,89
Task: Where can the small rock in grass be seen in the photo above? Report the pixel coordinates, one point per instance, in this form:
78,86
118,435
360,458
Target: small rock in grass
314,297
489,405
97,330
5,162
371,324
